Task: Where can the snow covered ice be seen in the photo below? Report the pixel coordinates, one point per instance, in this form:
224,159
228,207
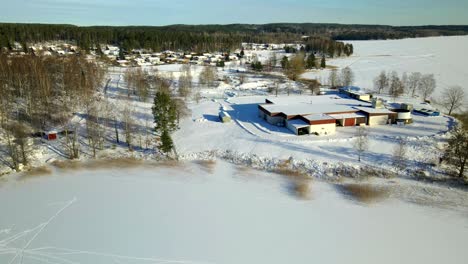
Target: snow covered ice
188,214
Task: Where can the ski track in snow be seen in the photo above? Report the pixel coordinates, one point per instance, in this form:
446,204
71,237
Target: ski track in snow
56,255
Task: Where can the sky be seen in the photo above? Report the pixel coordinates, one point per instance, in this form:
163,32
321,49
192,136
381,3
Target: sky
167,12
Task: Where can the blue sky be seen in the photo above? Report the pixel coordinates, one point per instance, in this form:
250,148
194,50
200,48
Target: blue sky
165,12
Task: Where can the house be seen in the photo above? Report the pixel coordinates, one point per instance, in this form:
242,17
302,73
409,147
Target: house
123,63
153,60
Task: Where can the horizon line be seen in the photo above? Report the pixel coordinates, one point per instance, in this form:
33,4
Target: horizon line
230,24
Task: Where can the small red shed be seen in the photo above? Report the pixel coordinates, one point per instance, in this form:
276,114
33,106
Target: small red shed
51,135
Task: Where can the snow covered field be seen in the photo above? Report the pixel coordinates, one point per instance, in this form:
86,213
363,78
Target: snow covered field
444,57
214,214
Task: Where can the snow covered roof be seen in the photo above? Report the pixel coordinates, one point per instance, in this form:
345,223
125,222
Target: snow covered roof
297,123
350,115
318,117
372,110
307,108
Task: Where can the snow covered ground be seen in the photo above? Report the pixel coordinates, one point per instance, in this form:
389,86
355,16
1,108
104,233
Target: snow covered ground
215,213
250,135
444,57
203,136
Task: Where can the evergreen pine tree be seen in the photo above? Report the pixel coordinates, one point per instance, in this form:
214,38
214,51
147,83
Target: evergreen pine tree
285,62
257,66
331,50
164,112
121,54
310,63
166,142
323,63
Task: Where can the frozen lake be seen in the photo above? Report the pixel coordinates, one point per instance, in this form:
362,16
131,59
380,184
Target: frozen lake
442,56
213,213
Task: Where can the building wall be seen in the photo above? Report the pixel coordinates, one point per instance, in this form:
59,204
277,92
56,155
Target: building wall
261,114
292,128
322,122
378,120
275,120
350,122
364,97
361,120
324,129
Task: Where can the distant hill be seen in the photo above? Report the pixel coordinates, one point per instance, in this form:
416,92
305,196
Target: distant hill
210,37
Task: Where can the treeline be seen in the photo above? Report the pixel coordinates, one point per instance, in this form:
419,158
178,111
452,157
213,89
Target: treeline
411,84
155,38
43,92
200,38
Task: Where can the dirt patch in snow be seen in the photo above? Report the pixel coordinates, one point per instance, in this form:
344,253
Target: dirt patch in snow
363,193
120,163
36,172
207,165
298,180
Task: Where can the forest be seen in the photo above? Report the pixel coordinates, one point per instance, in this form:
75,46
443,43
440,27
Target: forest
209,37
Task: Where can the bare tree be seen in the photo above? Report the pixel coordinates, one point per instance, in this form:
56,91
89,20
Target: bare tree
13,151
381,82
273,61
311,85
208,76
427,85
185,81
128,124
347,77
72,144
94,129
453,98
22,137
333,78
295,67
197,96
396,86
361,142
242,78
399,154
405,81
413,82
456,152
